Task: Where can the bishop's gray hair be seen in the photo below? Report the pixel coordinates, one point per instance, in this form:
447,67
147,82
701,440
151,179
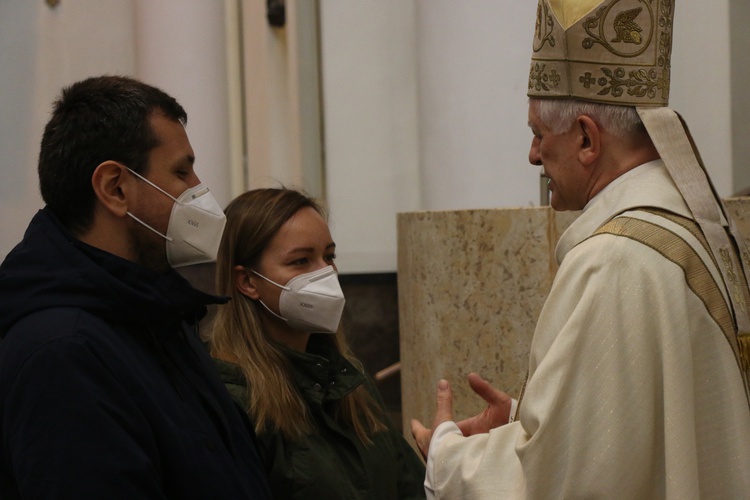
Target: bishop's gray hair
559,115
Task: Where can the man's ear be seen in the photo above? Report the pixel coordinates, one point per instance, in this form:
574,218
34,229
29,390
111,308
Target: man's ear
107,181
244,282
590,140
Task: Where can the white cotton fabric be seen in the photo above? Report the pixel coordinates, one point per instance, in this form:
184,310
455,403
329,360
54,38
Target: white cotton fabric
633,390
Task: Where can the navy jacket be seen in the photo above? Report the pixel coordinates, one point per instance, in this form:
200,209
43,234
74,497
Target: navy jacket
105,388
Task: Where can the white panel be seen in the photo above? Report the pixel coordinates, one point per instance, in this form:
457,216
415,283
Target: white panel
371,149
42,50
701,83
473,69
473,65
282,97
181,48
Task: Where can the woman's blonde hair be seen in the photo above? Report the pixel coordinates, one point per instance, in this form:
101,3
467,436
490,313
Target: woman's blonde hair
274,402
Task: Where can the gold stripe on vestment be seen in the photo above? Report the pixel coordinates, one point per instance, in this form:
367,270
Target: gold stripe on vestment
739,285
675,249
697,275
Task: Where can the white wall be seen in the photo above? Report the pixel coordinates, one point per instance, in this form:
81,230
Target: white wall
181,48
471,60
41,50
371,129
178,45
473,64
701,86
424,102
282,98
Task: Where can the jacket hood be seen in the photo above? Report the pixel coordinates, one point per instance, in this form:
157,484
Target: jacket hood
49,268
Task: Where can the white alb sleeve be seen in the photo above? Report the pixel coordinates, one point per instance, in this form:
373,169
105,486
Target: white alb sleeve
442,430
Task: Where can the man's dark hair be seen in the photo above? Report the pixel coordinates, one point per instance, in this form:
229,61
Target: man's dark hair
95,120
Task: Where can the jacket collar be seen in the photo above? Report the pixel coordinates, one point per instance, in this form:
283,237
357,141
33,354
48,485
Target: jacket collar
50,268
322,373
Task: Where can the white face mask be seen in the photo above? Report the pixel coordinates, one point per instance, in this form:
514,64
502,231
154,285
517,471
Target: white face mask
311,302
195,226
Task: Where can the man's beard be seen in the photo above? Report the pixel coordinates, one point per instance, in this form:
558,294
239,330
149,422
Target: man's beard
149,248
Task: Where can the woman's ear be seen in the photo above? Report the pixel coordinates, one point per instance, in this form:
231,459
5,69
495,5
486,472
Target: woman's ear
107,182
245,282
590,140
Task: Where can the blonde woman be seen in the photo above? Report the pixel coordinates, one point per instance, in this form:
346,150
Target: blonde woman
279,346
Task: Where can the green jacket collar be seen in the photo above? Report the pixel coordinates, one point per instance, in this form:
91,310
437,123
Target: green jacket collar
322,373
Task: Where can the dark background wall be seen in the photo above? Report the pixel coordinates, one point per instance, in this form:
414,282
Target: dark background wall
371,323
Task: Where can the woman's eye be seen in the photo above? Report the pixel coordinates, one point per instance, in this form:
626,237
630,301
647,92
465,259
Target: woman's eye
330,257
299,262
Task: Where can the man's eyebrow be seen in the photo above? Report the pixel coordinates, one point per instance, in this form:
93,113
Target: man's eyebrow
185,161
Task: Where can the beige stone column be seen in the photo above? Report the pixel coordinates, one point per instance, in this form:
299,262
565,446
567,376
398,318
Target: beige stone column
471,285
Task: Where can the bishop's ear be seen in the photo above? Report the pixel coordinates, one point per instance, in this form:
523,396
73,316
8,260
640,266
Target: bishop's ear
589,140
109,184
245,282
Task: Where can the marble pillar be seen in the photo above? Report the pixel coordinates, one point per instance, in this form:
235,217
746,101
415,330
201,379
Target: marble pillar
471,285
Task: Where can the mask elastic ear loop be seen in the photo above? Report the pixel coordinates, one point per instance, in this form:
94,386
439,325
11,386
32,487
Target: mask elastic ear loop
151,184
158,189
263,303
269,310
270,281
149,227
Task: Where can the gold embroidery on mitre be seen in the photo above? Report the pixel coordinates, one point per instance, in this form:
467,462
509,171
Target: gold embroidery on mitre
542,80
617,53
626,28
544,24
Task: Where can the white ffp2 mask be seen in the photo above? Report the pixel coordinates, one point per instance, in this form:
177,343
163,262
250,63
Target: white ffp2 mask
195,226
311,302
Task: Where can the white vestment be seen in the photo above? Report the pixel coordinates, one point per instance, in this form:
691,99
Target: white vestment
633,390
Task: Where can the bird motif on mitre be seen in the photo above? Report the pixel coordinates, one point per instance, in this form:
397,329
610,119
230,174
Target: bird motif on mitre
626,28
538,27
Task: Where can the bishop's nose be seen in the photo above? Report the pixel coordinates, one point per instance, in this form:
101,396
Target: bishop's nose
534,157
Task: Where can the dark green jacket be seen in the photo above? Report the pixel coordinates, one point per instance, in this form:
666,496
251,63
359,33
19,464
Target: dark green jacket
332,463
